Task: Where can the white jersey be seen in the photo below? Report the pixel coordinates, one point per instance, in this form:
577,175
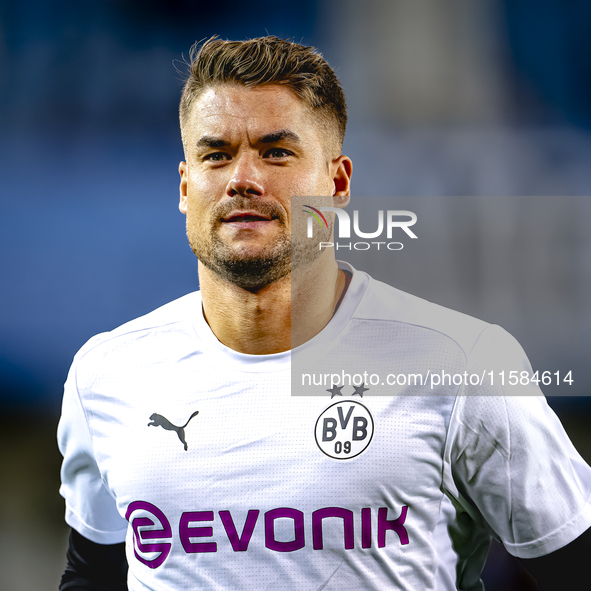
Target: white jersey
217,477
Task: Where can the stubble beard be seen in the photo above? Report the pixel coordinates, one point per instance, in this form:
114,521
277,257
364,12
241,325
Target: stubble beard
254,271
245,270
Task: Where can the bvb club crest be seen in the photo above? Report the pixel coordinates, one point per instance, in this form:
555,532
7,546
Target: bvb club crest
344,430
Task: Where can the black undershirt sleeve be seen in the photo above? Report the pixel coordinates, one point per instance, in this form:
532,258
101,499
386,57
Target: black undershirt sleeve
92,566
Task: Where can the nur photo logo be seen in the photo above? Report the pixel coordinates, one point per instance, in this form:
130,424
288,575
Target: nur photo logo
392,220
317,215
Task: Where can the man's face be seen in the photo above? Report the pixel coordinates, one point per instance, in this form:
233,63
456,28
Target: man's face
249,150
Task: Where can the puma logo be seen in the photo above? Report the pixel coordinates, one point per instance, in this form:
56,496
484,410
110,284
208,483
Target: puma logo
160,421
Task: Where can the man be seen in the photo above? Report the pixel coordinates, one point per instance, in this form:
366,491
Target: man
179,431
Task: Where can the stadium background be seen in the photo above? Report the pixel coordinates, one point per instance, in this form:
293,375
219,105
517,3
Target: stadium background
448,99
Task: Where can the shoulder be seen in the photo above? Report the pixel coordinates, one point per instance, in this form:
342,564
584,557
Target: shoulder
137,337
493,382
422,318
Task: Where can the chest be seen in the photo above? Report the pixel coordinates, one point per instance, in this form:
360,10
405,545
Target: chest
211,443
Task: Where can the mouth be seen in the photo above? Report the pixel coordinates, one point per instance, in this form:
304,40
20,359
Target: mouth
246,217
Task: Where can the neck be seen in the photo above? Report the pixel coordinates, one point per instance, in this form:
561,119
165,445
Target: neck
278,317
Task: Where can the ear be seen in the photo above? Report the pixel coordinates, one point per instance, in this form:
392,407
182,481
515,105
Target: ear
343,169
183,188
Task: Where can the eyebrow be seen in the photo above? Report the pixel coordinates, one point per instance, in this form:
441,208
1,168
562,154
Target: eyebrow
208,141
276,136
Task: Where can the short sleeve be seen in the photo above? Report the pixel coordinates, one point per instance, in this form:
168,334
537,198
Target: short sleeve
509,461
90,508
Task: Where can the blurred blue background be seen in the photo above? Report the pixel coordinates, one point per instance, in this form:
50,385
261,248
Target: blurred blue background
446,98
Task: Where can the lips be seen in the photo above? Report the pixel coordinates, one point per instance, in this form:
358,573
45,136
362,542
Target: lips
245,217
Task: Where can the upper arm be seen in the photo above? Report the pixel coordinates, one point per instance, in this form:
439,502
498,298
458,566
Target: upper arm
90,507
509,460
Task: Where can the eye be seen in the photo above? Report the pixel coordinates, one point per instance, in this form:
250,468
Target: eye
217,157
277,153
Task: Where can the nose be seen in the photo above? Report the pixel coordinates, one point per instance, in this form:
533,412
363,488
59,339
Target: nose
246,179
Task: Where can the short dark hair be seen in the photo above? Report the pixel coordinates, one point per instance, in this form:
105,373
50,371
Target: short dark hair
265,61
